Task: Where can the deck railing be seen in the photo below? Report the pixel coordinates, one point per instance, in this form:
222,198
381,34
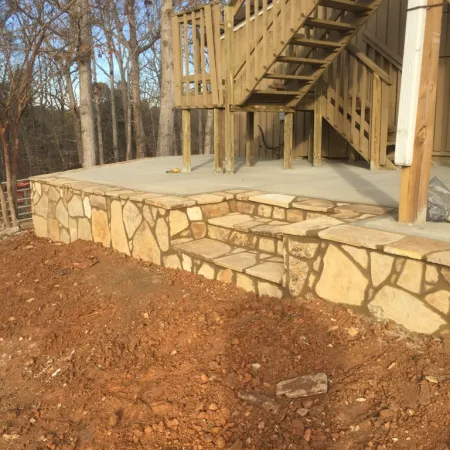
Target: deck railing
197,57
24,208
356,98
391,63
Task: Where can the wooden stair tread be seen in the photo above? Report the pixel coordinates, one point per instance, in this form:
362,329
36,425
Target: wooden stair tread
329,25
298,60
284,76
315,43
275,92
346,5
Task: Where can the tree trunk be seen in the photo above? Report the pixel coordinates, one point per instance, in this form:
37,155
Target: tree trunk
84,67
75,115
135,81
126,105
101,152
115,138
8,176
209,132
166,112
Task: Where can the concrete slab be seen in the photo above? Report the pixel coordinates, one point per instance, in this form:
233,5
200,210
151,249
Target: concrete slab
333,181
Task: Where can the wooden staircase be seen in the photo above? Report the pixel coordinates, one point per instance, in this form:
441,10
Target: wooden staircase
289,46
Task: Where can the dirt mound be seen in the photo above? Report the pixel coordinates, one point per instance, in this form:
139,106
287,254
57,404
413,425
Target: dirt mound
99,351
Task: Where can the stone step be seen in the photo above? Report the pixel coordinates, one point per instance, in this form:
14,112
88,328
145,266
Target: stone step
261,265
248,231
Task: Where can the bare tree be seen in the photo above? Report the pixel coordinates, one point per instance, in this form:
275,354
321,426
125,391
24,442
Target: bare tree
166,113
84,57
97,90
115,137
23,29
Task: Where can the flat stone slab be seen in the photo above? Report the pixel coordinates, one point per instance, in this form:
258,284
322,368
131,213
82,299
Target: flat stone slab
303,386
246,194
282,200
315,204
440,258
310,227
269,229
360,237
208,249
204,199
247,226
238,262
230,220
416,247
170,202
143,196
364,209
270,271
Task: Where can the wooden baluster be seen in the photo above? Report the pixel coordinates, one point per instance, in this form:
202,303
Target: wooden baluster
338,65
375,123
354,98
385,108
213,56
186,58
346,66
284,19
363,96
256,31
196,45
276,27
265,35
202,58
247,44
177,68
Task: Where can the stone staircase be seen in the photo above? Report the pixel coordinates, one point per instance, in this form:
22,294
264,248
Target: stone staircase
245,248
249,248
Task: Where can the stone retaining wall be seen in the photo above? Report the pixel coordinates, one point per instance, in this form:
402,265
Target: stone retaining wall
411,292
388,275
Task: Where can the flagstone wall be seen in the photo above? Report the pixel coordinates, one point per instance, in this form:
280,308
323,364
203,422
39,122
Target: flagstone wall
311,246
395,284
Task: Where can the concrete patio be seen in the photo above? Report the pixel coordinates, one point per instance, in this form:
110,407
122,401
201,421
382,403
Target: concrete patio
332,181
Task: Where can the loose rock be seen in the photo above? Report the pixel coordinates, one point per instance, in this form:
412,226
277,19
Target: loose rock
303,386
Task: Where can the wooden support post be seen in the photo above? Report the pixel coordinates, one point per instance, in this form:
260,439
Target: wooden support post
415,178
318,119
229,83
186,122
249,138
375,123
288,139
218,133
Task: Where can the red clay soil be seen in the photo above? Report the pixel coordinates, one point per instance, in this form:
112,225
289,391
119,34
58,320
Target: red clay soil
99,351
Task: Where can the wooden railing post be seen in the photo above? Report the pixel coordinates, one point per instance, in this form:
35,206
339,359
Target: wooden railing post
229,116
318,119
249,137
375,123
218,134
186,124
288,139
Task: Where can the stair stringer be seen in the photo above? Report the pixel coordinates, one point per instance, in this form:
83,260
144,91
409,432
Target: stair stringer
302,11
